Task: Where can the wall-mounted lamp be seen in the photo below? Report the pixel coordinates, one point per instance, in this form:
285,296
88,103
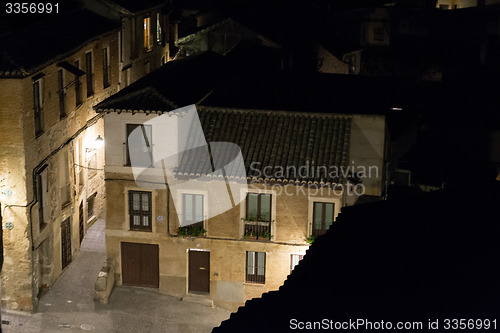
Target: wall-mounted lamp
97,144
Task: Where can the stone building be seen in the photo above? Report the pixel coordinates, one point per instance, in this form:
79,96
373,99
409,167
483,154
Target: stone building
146,36
165,227
51,177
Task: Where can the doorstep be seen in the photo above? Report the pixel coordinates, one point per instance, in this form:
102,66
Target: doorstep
203,299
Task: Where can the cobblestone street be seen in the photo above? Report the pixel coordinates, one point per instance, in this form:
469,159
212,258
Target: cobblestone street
69,306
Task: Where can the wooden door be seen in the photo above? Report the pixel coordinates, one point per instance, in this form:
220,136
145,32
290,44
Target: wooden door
140,264
65,242
81,222
199,271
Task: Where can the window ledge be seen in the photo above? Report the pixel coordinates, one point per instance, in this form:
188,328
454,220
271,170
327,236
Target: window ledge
254,284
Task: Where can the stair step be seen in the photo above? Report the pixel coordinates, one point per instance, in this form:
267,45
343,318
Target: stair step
199,299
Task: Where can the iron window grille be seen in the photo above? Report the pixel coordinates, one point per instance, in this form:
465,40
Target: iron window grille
139,209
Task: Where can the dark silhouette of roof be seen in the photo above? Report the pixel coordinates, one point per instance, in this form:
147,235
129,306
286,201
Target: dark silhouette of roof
229,81
314,92
135,6
177,83
27,50
430,256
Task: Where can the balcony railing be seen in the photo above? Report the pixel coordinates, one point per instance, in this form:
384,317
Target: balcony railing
258,230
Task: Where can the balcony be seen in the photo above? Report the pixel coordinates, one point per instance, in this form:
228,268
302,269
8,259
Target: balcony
193,230
257,230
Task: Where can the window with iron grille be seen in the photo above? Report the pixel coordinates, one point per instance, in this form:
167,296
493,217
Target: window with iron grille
105,67
259,207
90,75
38,106
294,260
78,86
91,206
139,145
323,215
139,209
256,267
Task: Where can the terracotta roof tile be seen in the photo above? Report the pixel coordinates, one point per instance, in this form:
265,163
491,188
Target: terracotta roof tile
280,141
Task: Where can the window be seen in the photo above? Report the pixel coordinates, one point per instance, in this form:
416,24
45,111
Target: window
65,181
38,106
91,206
41,193
139,209
139,145
62,95
294,260
158,29
148,38
192,209
323,215
78,87
133,45
92,165
105,67
259,207
256,267
90,75
378,34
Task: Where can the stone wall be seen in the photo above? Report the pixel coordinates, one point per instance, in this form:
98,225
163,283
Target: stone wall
292,215
33,254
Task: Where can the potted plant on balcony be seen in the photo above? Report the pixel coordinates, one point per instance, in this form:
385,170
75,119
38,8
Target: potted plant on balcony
266,235
249,235
310,239
190,231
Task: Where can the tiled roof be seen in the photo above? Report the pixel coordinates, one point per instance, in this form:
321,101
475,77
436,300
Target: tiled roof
27,50
280,142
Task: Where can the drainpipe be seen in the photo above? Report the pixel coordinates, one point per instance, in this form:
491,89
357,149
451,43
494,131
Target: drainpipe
168,199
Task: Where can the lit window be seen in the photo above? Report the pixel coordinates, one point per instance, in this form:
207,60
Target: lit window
158,28
148,38
256,267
